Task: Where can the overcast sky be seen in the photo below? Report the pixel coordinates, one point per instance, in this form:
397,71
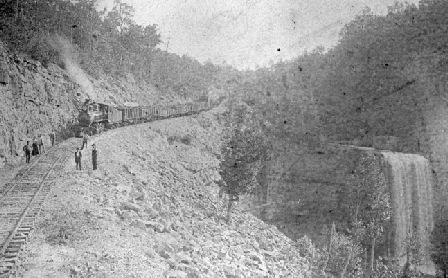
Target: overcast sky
246,33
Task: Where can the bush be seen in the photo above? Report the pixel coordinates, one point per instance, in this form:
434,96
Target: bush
186,139
439,241
345,256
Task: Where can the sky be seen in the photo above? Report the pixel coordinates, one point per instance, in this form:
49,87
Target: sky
248,33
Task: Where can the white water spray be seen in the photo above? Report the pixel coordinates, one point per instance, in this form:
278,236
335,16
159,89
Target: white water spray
412,204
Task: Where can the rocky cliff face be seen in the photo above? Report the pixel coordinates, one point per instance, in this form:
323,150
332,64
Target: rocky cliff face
34,100
303,187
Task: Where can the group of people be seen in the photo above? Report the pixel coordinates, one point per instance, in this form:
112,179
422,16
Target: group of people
37,147
78,154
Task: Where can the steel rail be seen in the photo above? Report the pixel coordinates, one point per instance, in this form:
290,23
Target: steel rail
2,199
18,235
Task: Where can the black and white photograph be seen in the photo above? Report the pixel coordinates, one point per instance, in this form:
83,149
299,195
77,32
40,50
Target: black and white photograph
223,138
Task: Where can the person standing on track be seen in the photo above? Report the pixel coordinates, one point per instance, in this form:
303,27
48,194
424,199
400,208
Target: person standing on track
94,157
85,139
41,144
27,150
78,156
35,147
52,135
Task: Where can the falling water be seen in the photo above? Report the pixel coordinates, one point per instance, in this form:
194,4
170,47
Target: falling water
411,199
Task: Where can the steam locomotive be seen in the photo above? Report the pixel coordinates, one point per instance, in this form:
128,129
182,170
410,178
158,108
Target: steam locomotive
96,117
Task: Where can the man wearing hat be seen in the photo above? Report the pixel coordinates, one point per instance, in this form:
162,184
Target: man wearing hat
94,157
27,150
78,156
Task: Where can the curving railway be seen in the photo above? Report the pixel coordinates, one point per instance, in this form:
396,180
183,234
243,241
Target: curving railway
22,198
21,201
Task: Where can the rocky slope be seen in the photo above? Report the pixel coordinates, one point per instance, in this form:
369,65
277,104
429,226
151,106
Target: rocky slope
152,210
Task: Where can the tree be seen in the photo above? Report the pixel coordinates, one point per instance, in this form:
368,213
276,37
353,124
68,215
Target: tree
439,241
367,202
242,153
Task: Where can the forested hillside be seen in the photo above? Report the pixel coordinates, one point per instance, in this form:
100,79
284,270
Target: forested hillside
105,42
334,92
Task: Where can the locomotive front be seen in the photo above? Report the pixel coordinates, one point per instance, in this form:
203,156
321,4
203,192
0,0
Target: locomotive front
91,114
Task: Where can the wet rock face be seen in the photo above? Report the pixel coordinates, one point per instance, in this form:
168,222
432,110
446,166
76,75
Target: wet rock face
34,100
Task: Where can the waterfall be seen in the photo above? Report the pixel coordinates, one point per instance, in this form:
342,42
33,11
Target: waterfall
410,183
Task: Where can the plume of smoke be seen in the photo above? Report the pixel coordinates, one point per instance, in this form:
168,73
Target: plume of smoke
74,71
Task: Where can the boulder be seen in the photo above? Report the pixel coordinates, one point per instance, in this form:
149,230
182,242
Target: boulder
137,195
156,226
192,272
2,162
138,223
232,272
130,206
176,274
129,215
151,212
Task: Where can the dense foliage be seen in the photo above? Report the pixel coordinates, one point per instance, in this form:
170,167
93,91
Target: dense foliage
439,240
365,200
108,42
340,93
243,152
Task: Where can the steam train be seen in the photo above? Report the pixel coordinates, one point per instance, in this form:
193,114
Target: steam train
96,117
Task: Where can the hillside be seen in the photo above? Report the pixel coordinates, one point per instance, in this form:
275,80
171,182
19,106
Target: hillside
152,210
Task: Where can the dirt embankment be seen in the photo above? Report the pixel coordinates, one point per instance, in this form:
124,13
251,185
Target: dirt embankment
152,210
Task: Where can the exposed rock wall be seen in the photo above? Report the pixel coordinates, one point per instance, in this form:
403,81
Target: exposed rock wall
303,188
436,131
34,100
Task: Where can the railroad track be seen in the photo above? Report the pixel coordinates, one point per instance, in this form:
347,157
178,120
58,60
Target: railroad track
21,200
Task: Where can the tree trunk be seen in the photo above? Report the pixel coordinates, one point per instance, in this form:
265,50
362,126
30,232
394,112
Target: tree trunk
264,189
230,207
372,254
16,10
344,270
365,260
329,247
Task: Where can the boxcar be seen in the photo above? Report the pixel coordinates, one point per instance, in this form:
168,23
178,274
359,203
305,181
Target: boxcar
146,113
130,114
114,116
164,111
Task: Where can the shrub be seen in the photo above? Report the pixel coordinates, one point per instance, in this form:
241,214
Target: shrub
186,139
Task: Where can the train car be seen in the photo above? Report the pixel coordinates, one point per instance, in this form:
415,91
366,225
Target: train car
189,108
114,116
95,117
146,113
173,111
138,113
164,111
131,114
155,112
